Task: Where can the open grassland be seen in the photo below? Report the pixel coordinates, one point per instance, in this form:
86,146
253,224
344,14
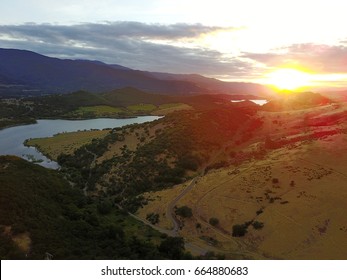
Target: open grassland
65,143
159,203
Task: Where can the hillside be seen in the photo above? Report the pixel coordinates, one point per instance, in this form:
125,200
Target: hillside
236,180
287,101
42,215
156,155
275,194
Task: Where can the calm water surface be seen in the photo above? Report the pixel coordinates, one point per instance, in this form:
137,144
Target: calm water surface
12,139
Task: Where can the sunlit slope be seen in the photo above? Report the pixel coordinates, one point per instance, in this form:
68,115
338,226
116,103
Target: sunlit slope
289,192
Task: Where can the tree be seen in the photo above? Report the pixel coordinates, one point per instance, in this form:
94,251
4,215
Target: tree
214,222
172,248
239,230
153,218
184,212
104,207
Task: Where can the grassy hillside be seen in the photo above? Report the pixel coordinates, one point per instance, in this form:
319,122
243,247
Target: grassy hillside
138,158
275,194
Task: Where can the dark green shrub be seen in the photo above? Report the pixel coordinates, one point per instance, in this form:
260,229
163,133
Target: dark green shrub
213,222
153,218
184,212
104,207
239,230
257,225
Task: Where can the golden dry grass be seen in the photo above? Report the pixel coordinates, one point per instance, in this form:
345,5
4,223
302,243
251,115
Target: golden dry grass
158,204
304,221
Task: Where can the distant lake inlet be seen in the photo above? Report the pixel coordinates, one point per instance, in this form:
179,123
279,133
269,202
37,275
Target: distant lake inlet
260,102
12,139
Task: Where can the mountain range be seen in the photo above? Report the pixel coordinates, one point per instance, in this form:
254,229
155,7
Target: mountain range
25,73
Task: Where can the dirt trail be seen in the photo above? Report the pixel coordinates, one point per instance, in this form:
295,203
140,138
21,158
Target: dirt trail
192,247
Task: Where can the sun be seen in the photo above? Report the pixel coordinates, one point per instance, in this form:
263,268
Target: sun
288,79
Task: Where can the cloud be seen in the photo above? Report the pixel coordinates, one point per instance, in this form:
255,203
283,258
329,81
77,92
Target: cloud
315,57
129,29
132,44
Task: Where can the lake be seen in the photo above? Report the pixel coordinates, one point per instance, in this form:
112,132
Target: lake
260,102
12,138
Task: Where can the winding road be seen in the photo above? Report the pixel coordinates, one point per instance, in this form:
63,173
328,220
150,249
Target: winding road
170,209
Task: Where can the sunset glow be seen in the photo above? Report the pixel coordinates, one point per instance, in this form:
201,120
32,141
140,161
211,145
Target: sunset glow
289,79
238,41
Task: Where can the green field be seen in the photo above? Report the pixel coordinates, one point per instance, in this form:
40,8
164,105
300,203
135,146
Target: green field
142,108
168,108
96,111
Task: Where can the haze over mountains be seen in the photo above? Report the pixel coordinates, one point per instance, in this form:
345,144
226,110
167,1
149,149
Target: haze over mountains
27,73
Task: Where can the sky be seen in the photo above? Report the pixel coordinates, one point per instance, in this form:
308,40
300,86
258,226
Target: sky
244,40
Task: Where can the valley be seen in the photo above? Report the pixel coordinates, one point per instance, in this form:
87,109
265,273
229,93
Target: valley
181,167
234,180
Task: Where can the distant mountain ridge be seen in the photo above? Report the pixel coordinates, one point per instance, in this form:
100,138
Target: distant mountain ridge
28,73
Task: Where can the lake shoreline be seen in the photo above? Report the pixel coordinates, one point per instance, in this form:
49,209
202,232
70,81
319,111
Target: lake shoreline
13,139
115,117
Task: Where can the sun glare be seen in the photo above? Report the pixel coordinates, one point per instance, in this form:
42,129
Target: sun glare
288,79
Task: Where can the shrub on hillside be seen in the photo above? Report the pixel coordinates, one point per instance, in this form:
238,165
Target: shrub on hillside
184,212
213,222
239,230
